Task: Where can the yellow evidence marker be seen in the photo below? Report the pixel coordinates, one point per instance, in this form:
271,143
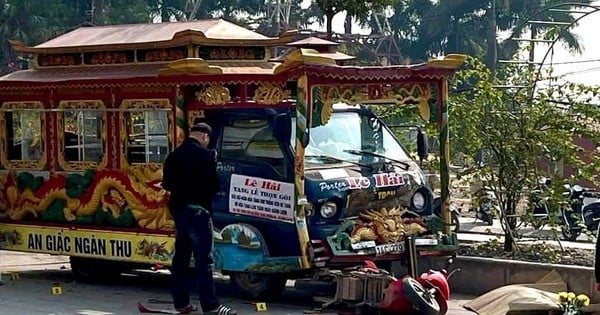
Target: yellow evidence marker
261,307
56,289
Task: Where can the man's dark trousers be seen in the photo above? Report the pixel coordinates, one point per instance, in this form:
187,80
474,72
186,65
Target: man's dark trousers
194,234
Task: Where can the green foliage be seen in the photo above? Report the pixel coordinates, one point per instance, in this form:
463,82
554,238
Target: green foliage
426,28
509,135
356,8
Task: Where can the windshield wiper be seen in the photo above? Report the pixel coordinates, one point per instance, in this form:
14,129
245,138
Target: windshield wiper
363,152
336,160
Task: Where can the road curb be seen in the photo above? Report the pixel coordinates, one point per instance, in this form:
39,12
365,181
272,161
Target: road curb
479,275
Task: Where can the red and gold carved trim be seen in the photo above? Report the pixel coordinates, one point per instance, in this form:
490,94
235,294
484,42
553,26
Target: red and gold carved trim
80,165
193,115
141,104
22,164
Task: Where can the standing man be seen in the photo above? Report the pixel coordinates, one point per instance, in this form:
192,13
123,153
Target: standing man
597,260
190,175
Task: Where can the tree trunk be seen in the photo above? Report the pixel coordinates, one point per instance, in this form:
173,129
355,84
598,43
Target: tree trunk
98,12
329,16
492,50
348,24
510,223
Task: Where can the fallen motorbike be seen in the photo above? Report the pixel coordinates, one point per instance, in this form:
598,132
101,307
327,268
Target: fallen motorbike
454,213
428,294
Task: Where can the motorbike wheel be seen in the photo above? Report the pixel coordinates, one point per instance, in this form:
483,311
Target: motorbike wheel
421,299
569,235
489,220
538,223
455,222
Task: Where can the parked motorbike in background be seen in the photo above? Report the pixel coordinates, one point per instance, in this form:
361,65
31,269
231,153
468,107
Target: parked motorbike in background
486,206
591,211
454,213
572,218
540,204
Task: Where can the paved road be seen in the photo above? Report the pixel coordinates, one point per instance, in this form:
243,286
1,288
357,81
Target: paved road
478,231
32,292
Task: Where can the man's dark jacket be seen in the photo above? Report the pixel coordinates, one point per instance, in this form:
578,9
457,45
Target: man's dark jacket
597,260
190,175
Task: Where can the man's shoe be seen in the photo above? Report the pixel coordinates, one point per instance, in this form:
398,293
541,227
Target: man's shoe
186,310
221,310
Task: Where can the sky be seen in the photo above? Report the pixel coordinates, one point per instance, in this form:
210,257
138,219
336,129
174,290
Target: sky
584,68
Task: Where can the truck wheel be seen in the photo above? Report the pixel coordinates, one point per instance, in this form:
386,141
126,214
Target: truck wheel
421,299
258,286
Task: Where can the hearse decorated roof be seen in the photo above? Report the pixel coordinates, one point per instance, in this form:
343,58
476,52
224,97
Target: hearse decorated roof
151,35
174,53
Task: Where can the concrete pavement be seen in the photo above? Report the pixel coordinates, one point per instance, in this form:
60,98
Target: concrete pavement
38,274
477,231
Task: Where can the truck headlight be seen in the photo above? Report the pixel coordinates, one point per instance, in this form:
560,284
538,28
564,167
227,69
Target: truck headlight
418,201
328,209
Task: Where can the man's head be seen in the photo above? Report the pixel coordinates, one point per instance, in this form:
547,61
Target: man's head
201,131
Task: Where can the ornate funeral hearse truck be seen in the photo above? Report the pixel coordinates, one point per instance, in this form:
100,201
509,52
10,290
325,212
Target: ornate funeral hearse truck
310,177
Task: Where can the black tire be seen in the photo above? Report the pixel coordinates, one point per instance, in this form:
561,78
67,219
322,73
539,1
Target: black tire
569,235
258,286
455,222
489,220
421,299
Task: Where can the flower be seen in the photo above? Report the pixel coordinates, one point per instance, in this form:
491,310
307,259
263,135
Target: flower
562,297
583,299
572,304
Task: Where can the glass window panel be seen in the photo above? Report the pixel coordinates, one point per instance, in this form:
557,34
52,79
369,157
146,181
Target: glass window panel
24,135
83,136
252,140
147,136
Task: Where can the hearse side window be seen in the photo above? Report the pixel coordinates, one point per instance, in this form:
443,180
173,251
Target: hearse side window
252,140
147,136
83,135
24,135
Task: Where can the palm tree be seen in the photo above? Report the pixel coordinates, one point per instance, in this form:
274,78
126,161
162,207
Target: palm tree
515,14
461,26
30,21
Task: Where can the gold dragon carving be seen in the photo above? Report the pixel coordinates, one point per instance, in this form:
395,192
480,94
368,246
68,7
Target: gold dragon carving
148,204
271,94
214,95
385,226
354,95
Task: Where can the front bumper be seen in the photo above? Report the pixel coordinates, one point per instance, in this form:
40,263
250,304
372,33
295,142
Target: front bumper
324,253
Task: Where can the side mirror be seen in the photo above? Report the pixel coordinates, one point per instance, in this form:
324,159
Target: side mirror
282,127
422,145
